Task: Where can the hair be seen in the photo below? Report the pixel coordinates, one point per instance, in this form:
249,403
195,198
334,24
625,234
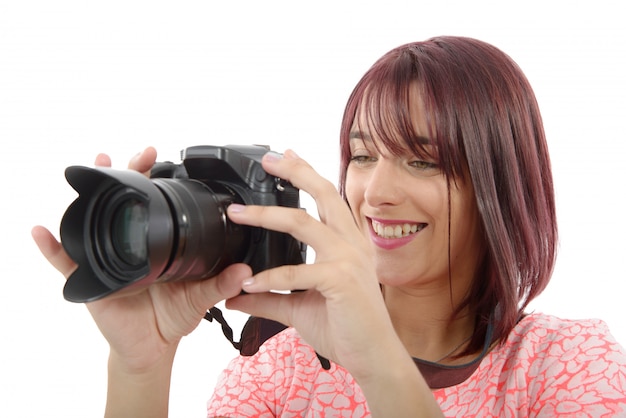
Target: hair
485,123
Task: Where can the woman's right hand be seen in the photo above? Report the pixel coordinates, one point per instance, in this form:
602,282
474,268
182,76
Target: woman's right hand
144,326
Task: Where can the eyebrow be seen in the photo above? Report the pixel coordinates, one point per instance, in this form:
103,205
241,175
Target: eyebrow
364,136
360,135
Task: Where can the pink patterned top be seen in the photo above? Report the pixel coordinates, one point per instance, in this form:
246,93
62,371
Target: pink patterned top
548,367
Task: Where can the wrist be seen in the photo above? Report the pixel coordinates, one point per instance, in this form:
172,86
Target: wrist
393,386
138,388
142,363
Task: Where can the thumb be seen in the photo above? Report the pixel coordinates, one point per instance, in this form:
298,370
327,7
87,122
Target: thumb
225,285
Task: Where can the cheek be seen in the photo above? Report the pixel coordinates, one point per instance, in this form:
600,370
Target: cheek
433,200
354,195
353,191
465,220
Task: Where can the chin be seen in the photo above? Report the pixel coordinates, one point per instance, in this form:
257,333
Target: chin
393,278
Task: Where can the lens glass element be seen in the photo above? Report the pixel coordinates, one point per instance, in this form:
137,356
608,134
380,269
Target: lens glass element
129,228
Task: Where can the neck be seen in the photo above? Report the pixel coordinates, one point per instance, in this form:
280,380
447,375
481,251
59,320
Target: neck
424,322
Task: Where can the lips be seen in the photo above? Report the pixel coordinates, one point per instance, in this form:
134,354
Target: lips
395,230
389,235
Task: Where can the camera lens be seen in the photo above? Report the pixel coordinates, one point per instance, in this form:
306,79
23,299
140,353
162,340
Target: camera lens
118,223
129,228
125,230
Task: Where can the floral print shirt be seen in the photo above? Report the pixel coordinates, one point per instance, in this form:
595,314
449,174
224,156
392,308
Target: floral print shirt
547,367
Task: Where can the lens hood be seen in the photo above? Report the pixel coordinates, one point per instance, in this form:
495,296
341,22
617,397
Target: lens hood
88,234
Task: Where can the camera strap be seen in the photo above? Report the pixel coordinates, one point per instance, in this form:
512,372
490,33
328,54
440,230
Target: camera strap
254,333
215,313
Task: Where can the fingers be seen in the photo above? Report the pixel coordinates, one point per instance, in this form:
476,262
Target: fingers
295,222
53,251
277,307
335,233
143,161
103,160
332,209
225,285
319,276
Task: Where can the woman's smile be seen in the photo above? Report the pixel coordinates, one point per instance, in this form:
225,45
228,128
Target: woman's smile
391,234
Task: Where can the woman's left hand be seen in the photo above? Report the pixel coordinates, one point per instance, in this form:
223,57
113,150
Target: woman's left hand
341,312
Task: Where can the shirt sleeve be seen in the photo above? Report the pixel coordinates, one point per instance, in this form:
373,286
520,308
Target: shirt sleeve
240,391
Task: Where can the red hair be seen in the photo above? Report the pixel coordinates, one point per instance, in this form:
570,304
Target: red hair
486,125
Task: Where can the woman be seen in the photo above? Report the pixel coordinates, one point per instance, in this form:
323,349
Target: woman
420,284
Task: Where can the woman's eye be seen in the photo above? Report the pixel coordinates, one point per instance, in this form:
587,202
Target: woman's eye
423,165
361,159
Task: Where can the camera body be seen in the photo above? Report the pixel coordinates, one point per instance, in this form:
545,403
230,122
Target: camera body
127,231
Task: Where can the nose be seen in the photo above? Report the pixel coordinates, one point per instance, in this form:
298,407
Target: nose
384,186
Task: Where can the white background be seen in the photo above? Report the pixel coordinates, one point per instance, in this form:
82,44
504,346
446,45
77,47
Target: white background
82,77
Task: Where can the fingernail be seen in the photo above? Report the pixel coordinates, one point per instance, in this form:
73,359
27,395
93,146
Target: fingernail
272,156
236,208
248,282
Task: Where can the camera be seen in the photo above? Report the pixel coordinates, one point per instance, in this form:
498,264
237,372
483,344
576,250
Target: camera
126,231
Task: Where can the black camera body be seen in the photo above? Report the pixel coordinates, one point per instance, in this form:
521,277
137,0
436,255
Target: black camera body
126,231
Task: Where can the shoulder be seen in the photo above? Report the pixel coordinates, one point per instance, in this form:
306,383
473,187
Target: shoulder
288,349
256,385
553,336
284,377
284,351
562,345
546,367
567,364
542,321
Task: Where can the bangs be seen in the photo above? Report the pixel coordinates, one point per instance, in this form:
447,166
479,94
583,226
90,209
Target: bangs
385,113
384,105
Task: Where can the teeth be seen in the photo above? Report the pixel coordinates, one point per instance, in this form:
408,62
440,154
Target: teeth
395,231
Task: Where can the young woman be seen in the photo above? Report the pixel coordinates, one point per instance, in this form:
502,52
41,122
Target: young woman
418,292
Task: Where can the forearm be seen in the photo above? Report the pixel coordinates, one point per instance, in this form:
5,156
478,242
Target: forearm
134,393
395,388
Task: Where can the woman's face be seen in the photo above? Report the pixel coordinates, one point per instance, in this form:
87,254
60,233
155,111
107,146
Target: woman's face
400,203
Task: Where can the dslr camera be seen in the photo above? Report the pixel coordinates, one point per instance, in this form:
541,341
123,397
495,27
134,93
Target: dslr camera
126,230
